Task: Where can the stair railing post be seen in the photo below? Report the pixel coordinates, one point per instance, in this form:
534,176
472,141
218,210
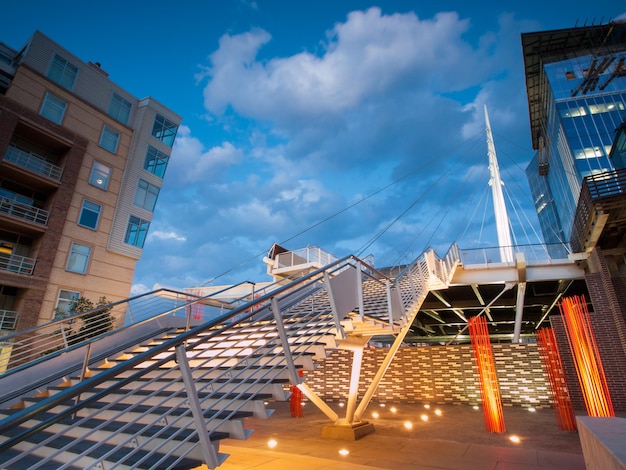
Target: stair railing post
389,305
282,334
333,306
130,314
208,451
359,290
83,373
293,373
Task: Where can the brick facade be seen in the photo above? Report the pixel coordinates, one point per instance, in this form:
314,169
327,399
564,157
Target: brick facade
607,319
438,375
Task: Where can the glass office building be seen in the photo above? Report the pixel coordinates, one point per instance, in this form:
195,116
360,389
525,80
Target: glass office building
576,85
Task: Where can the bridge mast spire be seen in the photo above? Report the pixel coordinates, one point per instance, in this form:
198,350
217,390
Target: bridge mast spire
502,218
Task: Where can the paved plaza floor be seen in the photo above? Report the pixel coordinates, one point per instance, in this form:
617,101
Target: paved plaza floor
452,438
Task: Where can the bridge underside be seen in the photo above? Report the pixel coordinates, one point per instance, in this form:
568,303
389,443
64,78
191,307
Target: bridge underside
445,313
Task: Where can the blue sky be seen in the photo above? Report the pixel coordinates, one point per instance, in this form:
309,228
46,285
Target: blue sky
355,126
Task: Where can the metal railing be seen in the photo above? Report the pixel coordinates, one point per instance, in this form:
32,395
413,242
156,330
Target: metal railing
8,320
33,162
23,211
491,255
604,193
164,404
310,254
17,264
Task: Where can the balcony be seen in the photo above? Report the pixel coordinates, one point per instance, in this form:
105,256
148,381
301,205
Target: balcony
8,319
601,212
284,264
17,264
33,162
23,211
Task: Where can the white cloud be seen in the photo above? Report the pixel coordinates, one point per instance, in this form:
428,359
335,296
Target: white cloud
161,235
370,54
191,162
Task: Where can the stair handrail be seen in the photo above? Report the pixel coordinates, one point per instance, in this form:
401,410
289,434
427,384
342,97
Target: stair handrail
182,338
63,324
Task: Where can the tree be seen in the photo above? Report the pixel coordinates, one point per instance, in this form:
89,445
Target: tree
94,323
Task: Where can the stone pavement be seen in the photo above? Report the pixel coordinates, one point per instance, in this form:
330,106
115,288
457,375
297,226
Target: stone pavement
455,439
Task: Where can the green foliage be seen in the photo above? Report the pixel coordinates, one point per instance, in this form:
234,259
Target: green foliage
93,323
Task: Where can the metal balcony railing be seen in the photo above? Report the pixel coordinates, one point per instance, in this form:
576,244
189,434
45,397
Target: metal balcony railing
8,319
17,264
33,162
24,211
310,254
604,193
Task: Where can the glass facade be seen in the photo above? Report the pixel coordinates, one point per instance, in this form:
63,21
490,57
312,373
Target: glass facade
583,103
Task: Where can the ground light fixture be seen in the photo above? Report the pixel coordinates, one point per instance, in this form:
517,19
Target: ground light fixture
408,425
272,443
515,439
375,414
438,412
393,409
424,418
344,452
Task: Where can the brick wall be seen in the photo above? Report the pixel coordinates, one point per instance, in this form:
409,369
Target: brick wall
607,321
438,375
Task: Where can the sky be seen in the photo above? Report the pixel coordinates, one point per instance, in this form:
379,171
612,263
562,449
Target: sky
354,126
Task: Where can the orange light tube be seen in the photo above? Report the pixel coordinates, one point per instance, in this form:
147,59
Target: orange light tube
552,364
582,343
489,389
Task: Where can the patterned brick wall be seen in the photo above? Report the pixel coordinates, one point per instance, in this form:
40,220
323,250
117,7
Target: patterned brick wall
438,375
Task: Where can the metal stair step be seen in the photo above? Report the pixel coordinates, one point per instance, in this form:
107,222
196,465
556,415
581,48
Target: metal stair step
94,451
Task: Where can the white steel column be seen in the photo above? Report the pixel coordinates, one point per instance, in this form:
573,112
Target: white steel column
502,218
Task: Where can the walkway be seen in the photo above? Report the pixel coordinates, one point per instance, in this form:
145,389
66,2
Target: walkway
455,440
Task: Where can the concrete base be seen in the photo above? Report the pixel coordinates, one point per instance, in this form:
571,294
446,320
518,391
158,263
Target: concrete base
602,440
347,432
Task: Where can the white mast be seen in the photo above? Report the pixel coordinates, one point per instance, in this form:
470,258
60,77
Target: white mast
502,218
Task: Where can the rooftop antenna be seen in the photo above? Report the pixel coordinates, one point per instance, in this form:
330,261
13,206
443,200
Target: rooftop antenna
502,218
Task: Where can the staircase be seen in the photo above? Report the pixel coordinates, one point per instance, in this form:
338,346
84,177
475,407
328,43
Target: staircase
163,392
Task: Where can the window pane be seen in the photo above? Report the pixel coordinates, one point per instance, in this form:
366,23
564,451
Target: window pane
136,231
100,175
62,72
89,214
164,130
64,302
109,139
146,195
53,108
156,162
119,108
79,258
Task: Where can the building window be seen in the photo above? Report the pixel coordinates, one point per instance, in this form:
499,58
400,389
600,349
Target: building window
62,72
119,108
65,302
164,130
136,231
146,195
100,175
109,139
90,214
53,108
156,162
79,258
605,107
